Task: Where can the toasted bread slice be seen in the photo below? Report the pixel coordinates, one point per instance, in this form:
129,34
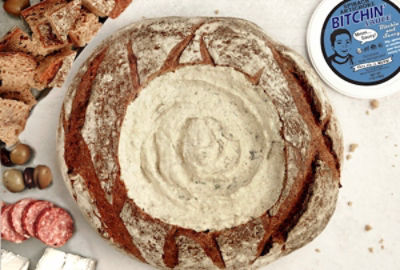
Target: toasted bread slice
13,116
16,40
36,14
63,19
86,27
62,73
16,70
47,41
120,6
43,35
23,94
101,8
50,66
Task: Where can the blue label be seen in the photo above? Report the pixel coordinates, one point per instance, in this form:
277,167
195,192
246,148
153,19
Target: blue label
361,41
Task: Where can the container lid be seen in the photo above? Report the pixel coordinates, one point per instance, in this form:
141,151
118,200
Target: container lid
355,46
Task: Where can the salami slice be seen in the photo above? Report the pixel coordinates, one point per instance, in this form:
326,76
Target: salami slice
54,227
7,232
30,214
2,205
16,216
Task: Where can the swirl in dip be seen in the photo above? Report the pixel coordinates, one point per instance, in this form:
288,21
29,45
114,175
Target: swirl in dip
200,148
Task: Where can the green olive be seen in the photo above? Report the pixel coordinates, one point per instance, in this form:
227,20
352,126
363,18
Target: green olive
42,176
21,154
13,180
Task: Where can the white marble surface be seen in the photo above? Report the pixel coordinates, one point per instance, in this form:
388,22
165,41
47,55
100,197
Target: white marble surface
371,179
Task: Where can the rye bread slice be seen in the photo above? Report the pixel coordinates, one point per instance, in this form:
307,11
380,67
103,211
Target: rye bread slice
50,66
23,94
36,14
101,8
63,71
86,27
13,116
63,19
16,40
16,70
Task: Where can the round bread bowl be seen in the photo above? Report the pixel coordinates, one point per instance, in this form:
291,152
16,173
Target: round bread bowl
200,143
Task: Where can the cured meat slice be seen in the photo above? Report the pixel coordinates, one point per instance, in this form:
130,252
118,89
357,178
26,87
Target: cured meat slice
30,214
15,215
54,227
7,232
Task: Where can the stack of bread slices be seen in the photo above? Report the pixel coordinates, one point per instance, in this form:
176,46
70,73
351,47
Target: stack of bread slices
43,59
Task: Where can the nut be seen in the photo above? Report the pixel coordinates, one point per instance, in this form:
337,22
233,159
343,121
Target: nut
5,158
14,7
21,154
28,178
42,176
13,180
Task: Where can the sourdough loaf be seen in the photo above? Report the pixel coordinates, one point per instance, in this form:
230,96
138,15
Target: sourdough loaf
200,143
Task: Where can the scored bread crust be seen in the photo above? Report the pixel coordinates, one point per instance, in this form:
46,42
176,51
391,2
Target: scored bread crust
91,119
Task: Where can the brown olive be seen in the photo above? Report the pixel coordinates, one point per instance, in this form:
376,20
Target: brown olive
5,158
42,176
13,180
21,154
14,7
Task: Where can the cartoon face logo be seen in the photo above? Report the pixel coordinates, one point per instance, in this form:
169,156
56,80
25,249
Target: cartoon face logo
341,43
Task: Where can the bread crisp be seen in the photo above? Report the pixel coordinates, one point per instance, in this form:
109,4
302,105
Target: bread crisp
13,116
86,27
16,70
63,19
23,94
18,41
63,71
203,91
101,8
50,66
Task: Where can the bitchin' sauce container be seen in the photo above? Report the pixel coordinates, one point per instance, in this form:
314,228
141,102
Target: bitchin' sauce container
355,46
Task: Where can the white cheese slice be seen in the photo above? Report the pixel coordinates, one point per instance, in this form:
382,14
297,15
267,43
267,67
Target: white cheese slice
75,262
52,259
25,267
11,261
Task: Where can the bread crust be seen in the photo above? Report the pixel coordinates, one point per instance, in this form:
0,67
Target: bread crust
90,125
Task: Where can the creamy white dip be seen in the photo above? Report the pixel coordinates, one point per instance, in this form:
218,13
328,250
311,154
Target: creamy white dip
201,148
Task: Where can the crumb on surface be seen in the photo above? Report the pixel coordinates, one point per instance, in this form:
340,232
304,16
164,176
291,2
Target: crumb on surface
317,250
348,157
216,12
382,247
367,228
353,147
371,250
349,203
367,112
381,241
395,145
374,104
393,166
